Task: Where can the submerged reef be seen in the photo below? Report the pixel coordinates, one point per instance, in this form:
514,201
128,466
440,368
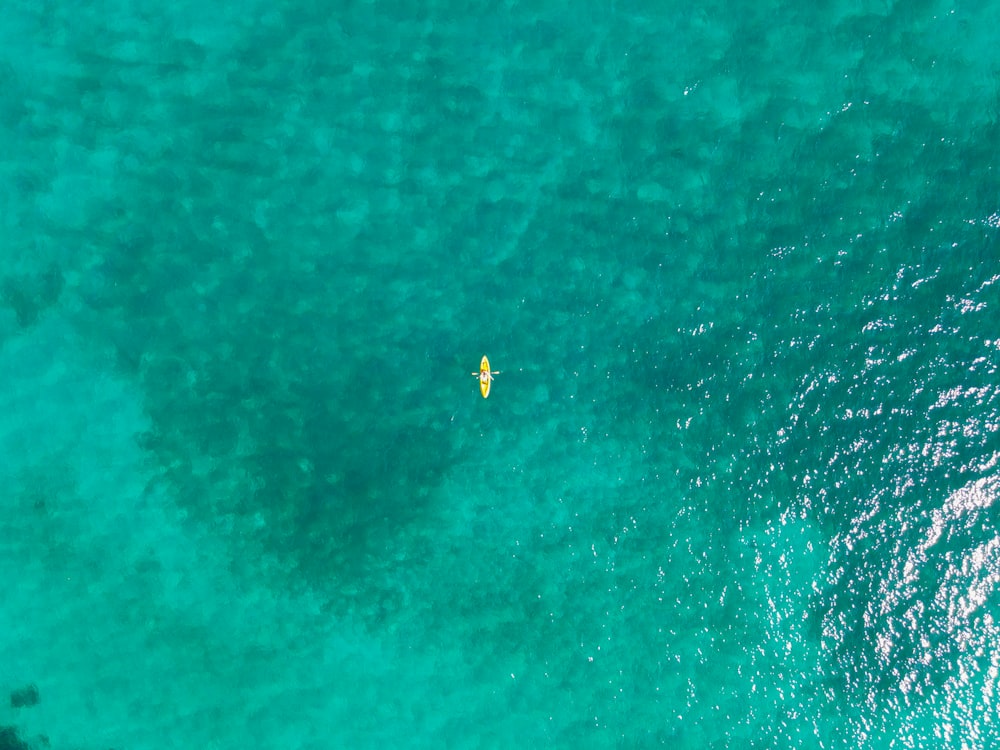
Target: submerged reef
9,740
24,697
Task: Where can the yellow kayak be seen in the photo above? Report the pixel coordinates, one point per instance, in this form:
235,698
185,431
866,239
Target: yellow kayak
485,377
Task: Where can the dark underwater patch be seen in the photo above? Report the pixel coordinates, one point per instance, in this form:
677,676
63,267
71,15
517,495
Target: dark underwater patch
10,740
24,697
30,295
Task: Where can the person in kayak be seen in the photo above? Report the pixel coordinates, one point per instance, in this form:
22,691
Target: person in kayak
485,376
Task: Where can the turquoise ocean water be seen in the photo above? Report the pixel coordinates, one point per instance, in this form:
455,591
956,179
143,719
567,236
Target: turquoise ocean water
737,484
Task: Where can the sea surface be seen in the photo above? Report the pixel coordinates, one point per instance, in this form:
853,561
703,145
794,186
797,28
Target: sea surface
737,484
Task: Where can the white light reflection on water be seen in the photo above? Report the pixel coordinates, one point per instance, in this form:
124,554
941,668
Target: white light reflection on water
924,644
884,468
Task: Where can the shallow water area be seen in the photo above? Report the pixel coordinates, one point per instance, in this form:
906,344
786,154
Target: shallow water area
734,486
